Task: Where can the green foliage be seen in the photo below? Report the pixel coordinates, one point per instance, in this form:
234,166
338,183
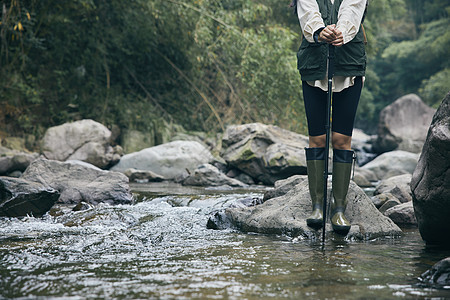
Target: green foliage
203,64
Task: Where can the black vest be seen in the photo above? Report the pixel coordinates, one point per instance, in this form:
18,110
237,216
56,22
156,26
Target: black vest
350,59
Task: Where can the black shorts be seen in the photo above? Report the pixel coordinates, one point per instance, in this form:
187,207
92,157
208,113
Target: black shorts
344,105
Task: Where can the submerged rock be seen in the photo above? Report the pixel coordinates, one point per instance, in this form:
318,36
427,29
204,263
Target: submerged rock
287,213
430,182
19,197
439,275
265,152
80,183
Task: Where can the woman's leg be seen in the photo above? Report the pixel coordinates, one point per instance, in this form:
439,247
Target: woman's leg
345,105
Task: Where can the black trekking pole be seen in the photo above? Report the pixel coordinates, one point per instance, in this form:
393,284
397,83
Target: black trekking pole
327,135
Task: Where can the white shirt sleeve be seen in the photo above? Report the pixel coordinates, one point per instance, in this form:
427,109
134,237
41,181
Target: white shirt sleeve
349,18
310,18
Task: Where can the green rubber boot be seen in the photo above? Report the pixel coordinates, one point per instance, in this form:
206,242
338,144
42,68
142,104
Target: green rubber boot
342,168
315,163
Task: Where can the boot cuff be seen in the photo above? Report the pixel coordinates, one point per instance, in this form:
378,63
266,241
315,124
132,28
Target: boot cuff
315,153
342,156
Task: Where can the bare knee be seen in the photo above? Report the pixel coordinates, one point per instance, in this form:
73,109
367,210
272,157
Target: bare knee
317,141
341,141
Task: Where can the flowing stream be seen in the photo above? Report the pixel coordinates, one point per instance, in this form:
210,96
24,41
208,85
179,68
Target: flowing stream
160,248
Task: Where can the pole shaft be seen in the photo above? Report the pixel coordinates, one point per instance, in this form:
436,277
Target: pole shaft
327,138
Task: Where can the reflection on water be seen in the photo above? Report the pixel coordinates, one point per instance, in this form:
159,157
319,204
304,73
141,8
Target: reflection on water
160,248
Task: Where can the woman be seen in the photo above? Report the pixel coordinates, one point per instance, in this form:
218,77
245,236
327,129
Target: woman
336,23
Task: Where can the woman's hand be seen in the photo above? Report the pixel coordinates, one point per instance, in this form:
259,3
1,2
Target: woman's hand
331,35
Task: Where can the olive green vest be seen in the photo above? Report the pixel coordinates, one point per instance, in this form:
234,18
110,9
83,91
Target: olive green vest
350,59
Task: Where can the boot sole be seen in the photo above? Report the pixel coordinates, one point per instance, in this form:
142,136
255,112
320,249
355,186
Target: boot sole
341,229
314,223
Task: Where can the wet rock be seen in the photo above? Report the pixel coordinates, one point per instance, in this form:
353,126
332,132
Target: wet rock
265,152
281,187
209,175
13,160
84,140
142,176
19,197
430,182
439,275
398,186
381,199
78,183
402,214
403,125
286,214
389,203
392,164
169,160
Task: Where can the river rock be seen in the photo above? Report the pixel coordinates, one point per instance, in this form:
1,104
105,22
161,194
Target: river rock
286,214
398,186
403,125
265,152
78,183
393,163
84,140
19,197
13,160
169,160
209,175
439,275
402,214
430,183
142,176
390,202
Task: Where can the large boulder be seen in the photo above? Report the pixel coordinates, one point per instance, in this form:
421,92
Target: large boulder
403,125
19,197
430,182
287,213
169,160
84,140
265,152
76,182
393,163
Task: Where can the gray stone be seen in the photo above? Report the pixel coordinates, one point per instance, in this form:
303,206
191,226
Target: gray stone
403,125
78,183
169,160
14,160
265,152
396,161
84,140
402,214
430,183
19,197
390,202
439,275
142,176
381,199
209,175
286,214
398,186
